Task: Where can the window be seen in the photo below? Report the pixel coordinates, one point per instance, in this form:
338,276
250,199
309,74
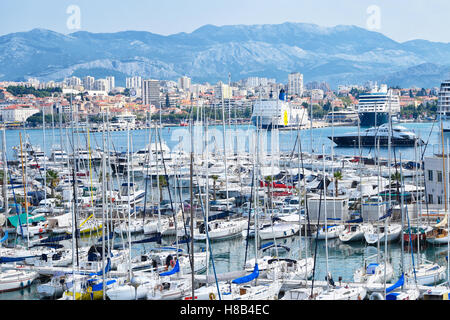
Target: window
430,175
439,199
439,176
430,199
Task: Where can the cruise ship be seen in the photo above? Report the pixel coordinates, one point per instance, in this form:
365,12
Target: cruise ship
269,113
443,106
374,106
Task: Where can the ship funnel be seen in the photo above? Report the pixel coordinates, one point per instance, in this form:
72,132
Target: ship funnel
282,95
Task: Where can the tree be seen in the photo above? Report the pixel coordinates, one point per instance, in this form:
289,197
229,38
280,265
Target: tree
269,181
215,178
337,177
52,180
162,184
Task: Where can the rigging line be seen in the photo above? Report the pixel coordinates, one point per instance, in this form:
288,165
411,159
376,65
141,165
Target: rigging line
211,256
315,249
428,140
249,216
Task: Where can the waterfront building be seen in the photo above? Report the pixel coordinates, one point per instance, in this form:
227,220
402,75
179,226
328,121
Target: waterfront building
443,106
18,113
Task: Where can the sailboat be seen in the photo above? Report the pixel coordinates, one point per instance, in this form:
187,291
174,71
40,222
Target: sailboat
220,230
374,234
353,233
373,273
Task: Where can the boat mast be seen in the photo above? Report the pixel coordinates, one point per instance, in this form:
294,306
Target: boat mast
129,204
191,191
225,149
326,216
24,180
5,173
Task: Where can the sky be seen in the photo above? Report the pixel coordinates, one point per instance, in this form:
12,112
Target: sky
401,20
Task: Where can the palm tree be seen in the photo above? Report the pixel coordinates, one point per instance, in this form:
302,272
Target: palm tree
162,184
396,176
215,178
337,177
269,180
52,180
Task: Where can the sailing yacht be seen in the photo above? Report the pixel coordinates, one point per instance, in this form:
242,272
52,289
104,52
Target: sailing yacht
330,232
373,273
353,233
278,230
426,274
220,230
374,234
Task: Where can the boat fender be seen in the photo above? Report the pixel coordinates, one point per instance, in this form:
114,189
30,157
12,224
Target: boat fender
376,296
212,296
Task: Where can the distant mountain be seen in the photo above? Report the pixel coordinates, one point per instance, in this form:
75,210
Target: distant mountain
338,55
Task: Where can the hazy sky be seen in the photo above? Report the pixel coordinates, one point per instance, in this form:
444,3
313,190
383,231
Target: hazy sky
400,20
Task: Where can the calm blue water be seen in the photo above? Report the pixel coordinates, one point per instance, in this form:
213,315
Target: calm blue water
176,137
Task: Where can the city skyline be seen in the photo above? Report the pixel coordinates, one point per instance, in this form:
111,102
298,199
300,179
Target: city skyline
392,19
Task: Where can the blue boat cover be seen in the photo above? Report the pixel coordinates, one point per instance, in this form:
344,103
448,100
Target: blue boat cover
107,268
354,220
371,268
171,272
249,277
99,286
5,237
266,245
392,296
396,285
388,214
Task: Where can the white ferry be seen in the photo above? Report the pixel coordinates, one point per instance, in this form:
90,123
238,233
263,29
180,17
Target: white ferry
269,113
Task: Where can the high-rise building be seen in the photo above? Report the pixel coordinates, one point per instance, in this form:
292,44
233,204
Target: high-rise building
73,81
184,83
88,83
151,92
111,83
295,84
223,91
134,82
101,85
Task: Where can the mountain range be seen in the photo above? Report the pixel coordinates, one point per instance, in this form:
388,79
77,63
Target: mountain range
337,55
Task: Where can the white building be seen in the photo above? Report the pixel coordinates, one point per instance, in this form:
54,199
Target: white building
88,83
295,84
101,85
73,82
18,113
223,91
443,107
184,83
111,83
434,180
133,82
317,94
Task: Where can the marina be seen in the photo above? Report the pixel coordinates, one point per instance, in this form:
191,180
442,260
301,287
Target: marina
145,205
